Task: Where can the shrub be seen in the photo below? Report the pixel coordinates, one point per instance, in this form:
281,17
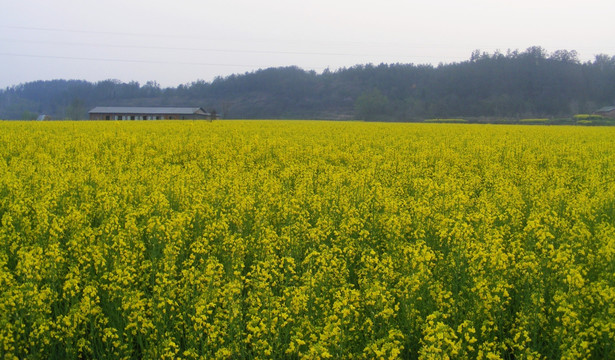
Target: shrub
588,117
448,121
534,121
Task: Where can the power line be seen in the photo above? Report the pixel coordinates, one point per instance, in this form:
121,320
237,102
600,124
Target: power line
251,40
126,60
231,51
177,36
98,32
184,48
159,35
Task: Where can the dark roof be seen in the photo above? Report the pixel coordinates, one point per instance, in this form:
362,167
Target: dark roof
147,110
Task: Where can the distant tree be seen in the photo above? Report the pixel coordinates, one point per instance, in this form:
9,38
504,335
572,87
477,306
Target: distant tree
512,84
371,106
536,52
565,56
76,110
151,89
604,61
28,115
226,107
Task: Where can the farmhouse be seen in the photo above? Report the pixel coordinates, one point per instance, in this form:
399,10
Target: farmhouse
148,113
608,111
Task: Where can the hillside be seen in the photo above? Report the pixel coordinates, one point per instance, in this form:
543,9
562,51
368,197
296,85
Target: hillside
516,84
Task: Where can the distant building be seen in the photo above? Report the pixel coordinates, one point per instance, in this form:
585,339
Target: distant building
608,111
43,117
148,113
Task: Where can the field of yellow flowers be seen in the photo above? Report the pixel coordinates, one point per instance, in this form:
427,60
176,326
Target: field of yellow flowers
296,239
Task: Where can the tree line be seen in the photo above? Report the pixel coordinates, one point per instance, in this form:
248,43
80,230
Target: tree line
515,84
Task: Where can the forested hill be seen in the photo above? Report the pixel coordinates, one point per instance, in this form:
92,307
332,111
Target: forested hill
532,83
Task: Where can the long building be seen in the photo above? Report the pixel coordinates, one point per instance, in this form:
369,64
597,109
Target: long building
148,113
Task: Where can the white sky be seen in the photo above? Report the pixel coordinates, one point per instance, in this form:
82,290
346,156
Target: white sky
180,41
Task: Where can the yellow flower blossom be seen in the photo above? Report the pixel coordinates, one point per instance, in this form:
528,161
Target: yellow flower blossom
280,239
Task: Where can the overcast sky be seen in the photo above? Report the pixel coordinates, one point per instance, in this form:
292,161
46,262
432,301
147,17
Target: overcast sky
181,41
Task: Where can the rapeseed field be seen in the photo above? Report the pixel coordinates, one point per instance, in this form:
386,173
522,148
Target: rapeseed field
306,240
